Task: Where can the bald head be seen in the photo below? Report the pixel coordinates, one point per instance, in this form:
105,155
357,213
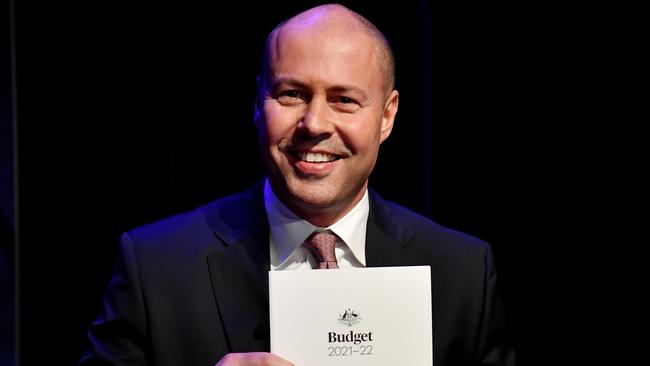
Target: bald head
336,20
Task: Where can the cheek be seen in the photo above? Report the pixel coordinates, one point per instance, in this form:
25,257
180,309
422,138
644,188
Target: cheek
278,123
362,136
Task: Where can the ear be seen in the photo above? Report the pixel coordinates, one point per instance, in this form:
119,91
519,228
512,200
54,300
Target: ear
259,100
390,110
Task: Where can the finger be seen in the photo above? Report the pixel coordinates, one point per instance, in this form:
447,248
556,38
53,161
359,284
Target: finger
253,359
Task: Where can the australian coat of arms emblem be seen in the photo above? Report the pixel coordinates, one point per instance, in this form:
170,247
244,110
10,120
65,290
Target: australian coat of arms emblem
350,318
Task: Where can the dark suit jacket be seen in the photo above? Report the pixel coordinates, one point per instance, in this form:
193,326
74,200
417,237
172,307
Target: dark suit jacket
193,287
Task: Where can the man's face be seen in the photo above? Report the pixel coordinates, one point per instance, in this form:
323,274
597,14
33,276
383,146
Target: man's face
323,114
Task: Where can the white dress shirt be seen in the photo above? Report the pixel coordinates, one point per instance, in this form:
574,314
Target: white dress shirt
288,232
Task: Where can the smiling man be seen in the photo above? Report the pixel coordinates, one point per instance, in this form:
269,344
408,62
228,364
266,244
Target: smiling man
193,289
325,104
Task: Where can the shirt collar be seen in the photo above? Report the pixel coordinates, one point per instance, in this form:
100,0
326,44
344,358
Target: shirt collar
288,231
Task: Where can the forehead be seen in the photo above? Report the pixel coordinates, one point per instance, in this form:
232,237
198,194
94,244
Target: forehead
332,52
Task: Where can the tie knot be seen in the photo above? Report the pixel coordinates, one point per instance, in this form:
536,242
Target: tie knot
321,245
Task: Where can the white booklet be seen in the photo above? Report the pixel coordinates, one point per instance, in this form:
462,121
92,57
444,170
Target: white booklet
360,316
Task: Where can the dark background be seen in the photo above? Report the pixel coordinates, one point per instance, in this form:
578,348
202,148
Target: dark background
128,112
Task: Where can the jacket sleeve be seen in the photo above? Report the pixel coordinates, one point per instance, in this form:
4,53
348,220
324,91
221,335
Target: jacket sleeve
494,346
118,336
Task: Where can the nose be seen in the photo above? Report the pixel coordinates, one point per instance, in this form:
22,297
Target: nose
316,121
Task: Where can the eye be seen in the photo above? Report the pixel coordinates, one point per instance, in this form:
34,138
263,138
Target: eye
291,94
345,104
291,97
344,100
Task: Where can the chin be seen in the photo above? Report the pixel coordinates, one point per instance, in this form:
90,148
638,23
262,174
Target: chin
311,196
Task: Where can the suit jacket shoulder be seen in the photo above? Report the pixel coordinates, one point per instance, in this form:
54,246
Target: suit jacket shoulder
224,219
419,236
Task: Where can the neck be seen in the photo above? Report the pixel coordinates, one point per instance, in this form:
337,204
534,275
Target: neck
324,216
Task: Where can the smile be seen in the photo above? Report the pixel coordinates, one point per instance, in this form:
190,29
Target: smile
311,157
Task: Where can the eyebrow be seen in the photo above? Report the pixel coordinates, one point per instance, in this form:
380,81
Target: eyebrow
337,88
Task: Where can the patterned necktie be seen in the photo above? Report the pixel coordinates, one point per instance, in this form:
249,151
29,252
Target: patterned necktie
321,246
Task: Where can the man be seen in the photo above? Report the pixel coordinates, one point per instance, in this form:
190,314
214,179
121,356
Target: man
193,289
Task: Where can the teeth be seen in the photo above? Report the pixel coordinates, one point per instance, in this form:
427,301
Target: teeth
316,157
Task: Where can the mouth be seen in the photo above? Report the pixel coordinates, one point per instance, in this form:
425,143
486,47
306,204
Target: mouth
315,157
314,164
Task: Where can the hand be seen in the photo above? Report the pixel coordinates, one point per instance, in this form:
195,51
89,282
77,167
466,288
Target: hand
253,359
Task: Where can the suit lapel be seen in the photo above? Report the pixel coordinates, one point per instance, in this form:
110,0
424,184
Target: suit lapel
239,269
240,263
386,234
